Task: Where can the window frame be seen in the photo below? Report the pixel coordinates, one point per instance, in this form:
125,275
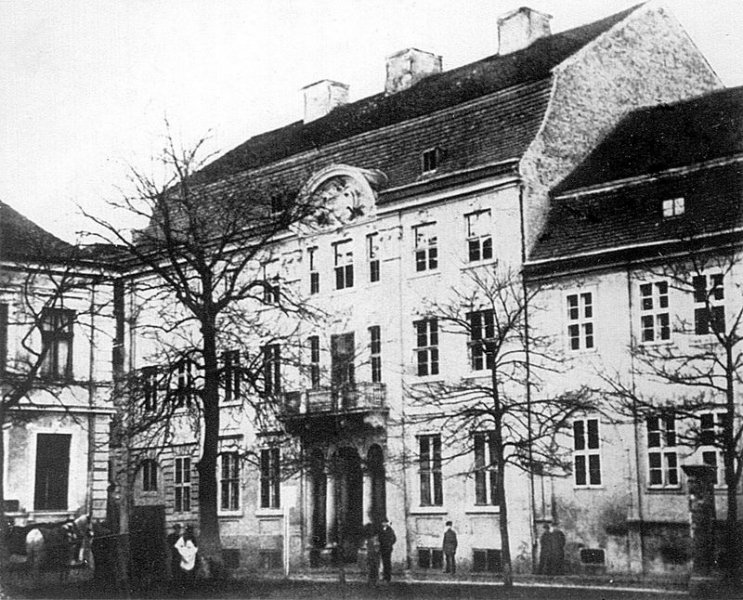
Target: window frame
60,332
149,475
672,208
430,476
314,273
150,387
271,368
709,303
482,242
182,484
313,342
662,442
375,353
430,159
270,478
481,336
655,312
427,347
486,471
425,248
710,453
584,454
372,257
229,482
231,379
343,264
580,320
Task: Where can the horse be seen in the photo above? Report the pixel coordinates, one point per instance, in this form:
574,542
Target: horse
59,547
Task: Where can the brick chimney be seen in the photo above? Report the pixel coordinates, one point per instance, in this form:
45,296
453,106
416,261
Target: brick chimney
323,96
407,67
519,28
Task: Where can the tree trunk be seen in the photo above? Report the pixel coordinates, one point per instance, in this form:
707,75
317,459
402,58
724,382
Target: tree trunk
500,484
210,545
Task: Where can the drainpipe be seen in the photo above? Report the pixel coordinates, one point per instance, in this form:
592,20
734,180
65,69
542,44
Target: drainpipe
635,428
532,493
91,403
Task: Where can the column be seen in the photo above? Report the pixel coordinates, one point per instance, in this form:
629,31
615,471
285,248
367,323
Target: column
368,496
330,509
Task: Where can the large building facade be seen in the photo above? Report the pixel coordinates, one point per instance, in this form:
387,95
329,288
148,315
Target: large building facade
442,178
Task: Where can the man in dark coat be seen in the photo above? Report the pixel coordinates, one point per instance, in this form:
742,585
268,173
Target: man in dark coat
449,547
387,539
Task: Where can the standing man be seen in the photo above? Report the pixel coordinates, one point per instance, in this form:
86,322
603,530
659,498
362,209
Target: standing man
449,547
387,539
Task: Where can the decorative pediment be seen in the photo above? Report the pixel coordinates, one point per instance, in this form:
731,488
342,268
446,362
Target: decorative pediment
342,195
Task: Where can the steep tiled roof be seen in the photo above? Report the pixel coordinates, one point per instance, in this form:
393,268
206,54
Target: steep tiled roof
432,94
649,141
22,239
663,137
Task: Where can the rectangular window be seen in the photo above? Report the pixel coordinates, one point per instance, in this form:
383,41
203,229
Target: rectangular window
580,320
229,481
485,469
150,385
482,334
673,207
343,252
184,383
372,256
592,556
56,340
655,325
709,304
486,561
271,283
314,273
182,487
149,475
479,236
3,338
271,369
52,471
427,347
430,558
314,344
375,353
586,455
663,467
426,247
430,160
429,469
711,428
231,377
270,478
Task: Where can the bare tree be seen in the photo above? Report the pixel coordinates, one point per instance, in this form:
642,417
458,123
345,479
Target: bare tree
498,416
199,269
699,366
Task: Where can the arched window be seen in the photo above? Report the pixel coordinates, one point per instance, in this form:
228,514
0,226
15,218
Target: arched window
149,475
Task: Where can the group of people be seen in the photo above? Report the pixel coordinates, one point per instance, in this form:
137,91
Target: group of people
183,555
379,543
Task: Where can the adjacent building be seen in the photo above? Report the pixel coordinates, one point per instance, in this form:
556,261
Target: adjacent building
55,375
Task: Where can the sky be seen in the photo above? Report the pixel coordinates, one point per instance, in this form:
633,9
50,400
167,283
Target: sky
86,86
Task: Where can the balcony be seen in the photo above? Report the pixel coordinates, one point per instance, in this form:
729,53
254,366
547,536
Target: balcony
361,404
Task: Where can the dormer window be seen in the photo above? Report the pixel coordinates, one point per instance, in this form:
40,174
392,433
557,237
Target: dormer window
430,160
673,207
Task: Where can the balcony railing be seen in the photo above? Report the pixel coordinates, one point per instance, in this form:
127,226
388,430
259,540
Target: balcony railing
362,396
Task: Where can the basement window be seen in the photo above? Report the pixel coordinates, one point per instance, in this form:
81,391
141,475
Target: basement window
673,207
486,561
430,558
592,556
